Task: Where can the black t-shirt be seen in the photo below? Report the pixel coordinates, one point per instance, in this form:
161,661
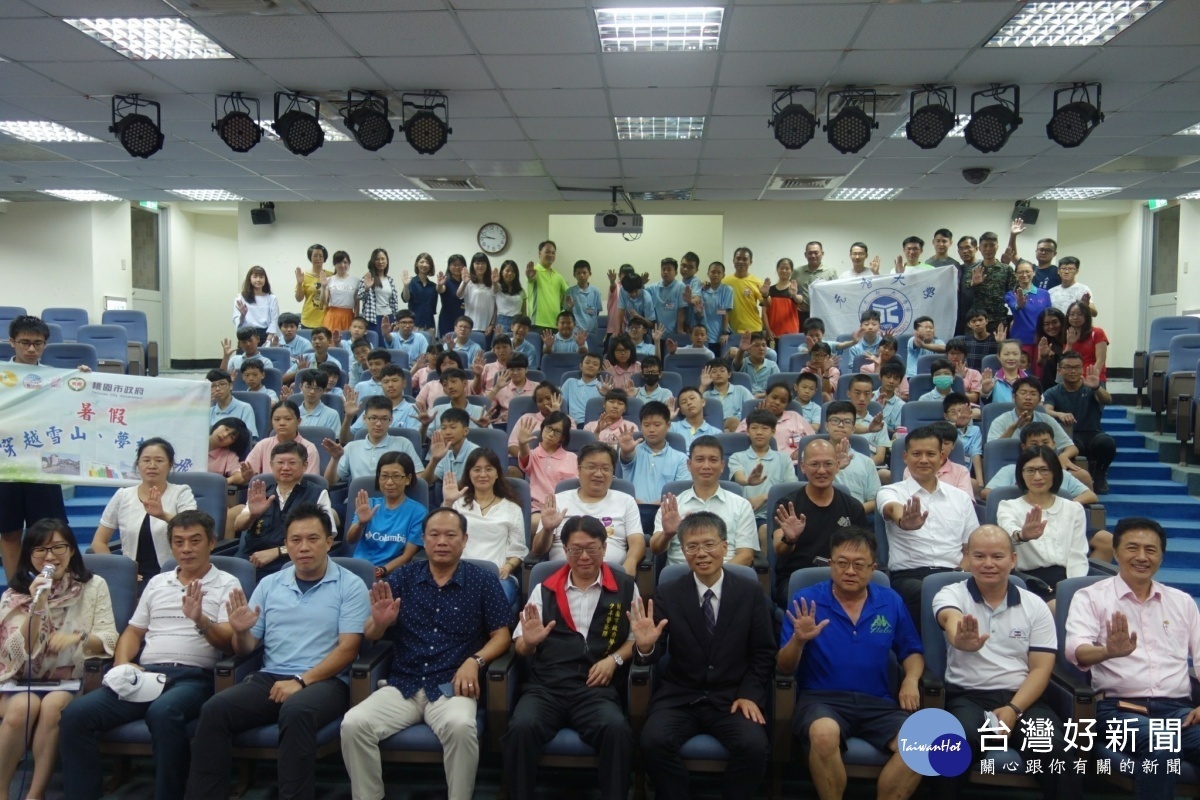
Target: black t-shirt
843,512
1081,403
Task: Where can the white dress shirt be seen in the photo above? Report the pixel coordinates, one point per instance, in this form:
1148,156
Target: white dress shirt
937,543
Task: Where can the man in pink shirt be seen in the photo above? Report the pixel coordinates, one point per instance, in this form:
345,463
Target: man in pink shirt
1135,636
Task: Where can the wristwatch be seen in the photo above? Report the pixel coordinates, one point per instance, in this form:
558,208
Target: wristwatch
480,660
1016,710
283,549
208,623
620,661
300,680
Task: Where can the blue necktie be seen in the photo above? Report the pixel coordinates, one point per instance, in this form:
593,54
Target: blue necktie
710,615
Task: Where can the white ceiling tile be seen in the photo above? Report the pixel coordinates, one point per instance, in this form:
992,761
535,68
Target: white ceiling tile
319,74
732,181
725,194
559,103
282,36
896,67
446,73
749,130
91,152
478,104
545,72
491,5
529,197
20,8
576,150
302,183
743,101
734,150
1108,179
525,184
415,33
656,184
776,69
107,77
112,8
656,167
34,39
303,166
484,167
494,150
660,149
361,6
660,102
1171,97
1160,123
486,129
583,169
1025,65
1172,146
66,109
509,32
1137,63
642,70
907,26
344,169
57,169
755,28
1173,23
216,76
738,166
17,79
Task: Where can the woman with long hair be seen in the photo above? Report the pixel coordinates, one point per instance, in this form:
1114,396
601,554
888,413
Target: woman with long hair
479,300
510,296
49,625
782,300
338,295
308,287
376,292
1086,339
421,294
228,444
388,530
495,519
448,284
1051,338
255,306
141,513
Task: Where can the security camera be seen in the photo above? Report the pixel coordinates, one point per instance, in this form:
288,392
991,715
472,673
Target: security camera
976,175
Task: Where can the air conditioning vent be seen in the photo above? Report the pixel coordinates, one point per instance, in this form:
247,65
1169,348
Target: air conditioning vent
786,182
216,8
669,194
448,184
886,103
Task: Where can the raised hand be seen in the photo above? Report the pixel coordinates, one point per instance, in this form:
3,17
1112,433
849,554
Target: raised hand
525,431
532,629
876,423
303,362
581,337
912,518
657,333
369,280
227,348
552,515
241,307
1044,351
241,616
245,471
1017,227
989,381
495,275
612,276
687,294
437,446
756,475
1010,253
350,402
385,327
299,276
503,378
641,624
1091,377
547,339
404,277
384,609
966,636
1086,298
1024,418
977,274
477,364
530,271
1034,525
803,617
441,279
1119,641
1002,332
1022,298
556,401
1072,336
766,287
627,442
257,501
899,265
193,601
842,451
705,378
153,502
569,303
333,448
451,492
787,520
875,265
286,391
670,514
605,385
672,346
363,508
671,405
273,339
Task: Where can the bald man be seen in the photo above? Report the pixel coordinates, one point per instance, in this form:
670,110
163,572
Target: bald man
806,520
1000,652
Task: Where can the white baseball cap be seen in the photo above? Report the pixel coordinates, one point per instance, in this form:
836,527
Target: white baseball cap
135,685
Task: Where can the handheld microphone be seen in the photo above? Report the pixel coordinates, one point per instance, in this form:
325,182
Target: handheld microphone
47,572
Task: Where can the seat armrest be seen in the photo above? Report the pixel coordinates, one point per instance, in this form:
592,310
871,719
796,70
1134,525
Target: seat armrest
1096,517
227,547
933,690
1082,694
1097,567
1183,423
152,359
368,669
784,700
233,669
640,686
501,691
93,673
1139,369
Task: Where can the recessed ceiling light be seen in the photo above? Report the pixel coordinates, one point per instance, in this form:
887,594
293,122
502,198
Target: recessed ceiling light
396,194
332,134
863,194
669,194
1070,24
1080,193
960,125
206,195
1189,196
1192,131
150,38
642,128
659,30
81,195
39,131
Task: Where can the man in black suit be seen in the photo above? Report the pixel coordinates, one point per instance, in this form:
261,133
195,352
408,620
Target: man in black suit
721,651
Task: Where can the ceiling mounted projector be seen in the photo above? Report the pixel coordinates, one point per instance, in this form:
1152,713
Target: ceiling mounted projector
615,222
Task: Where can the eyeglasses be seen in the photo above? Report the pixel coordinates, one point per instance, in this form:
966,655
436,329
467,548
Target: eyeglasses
592,550
391,477
709,546
58,549
379,419
839,422
30,344
826,465
842,565
603,469
552,429
1035,471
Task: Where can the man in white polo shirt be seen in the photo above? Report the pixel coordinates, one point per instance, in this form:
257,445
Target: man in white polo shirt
928,521
1001,646
183,623
706,462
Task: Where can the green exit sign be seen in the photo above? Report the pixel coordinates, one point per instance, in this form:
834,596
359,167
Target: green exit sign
153,204
1154,205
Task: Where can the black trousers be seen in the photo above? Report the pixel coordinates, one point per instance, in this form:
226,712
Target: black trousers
1097,447
594,715
970,708
907,583
249,705
667,729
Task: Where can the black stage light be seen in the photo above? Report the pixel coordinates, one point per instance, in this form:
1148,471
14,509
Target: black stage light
367,119
931,123
299,130
991,126
850,129
1074,122
239,127
794,124
141,136
426,121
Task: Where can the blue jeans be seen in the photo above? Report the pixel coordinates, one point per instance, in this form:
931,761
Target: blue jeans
511,586
87,718
1157,785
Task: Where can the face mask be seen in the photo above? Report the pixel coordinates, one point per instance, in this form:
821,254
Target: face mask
943,381
650,379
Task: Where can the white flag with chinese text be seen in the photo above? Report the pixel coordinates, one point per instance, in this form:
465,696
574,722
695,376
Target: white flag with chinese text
899,299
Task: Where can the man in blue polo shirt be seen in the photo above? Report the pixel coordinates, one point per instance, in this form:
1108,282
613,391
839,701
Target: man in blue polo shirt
309,619
667,296
837,638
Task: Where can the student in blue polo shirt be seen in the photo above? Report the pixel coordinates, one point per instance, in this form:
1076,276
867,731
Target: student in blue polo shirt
842,666
650,463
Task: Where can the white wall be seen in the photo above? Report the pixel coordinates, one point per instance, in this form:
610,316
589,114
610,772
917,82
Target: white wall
576,238
1189,256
